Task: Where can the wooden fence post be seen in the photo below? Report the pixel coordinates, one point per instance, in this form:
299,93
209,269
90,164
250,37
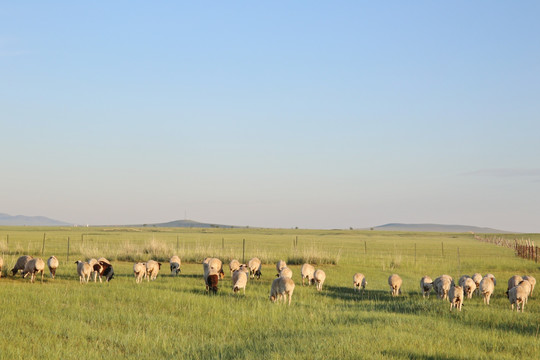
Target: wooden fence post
43,246
243,251
67,258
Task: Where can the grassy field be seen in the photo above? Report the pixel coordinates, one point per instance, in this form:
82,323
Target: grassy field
173,316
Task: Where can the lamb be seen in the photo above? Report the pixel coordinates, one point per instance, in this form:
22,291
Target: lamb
307,272
477,278
426,284
513,282
442,285
254,266
234,265
532,280
395,284
52,264
319,277
239,279
486,288
84,270
280,265
152,269
175,265
1,266
32,267
518,295
281,288
469,288
359,280
455,296
139,269
286,272
212,282
20,264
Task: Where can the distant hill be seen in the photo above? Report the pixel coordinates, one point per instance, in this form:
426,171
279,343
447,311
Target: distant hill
437,228
185,223
21,220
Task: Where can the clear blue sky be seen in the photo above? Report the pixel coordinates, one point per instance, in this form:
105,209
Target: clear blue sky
278,114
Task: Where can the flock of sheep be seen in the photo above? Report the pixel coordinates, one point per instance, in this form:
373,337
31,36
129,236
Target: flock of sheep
518,291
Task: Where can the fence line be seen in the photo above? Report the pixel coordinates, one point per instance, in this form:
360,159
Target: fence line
524,248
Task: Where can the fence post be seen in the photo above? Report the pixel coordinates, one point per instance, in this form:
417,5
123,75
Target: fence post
222,243
67,258
442,248
177,243
365,247
414,254
43,246
459,262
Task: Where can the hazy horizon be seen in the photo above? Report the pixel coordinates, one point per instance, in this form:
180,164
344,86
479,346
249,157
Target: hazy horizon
305,114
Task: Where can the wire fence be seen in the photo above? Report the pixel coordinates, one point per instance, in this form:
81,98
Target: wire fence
524,248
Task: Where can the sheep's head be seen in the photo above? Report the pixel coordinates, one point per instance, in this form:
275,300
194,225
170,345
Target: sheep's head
272,298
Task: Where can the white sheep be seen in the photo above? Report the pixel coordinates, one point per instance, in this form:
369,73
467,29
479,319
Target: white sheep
52,264
152,269
254,266
487,286
455,295
513,282
20,264
307,272
280,265
32,267
139,269
532,280
84,270
234,265
359,281
462,280
442,285
469,288
281,288
395,284
477,277
492,278
286,272
518,295
426,284
174,264
527,285
96,267
239,280
212,266
319,277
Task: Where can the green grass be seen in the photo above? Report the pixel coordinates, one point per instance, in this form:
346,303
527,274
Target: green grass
174,317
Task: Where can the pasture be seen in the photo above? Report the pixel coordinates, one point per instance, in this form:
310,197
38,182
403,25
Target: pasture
174,316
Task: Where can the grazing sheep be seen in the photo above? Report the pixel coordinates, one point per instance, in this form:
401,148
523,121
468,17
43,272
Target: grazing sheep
518,295
234,265
254,266
280,265
286,272
395,284
175,265
1,266
106,270
359,280
307,272
96,268
239,280
477,278
139,269
152,269
212,282
281,288
455,295
212,266
426,284
20,264
319,277
513,282
52,264
84,270
32,267
486,288
532,280
469,288
492,278
442,285
462,280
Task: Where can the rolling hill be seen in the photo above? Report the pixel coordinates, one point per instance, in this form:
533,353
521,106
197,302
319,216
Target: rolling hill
437,228
22,220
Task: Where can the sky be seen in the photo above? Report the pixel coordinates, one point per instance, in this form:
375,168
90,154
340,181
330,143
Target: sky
309,114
